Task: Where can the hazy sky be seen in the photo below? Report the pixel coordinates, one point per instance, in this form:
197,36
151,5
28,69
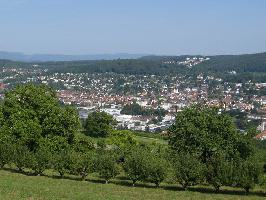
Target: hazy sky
133,26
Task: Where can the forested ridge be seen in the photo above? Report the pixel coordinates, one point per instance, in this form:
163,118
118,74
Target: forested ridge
247,63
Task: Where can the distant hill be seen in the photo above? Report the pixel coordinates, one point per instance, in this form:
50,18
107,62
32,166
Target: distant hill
247,63
238,63
15,56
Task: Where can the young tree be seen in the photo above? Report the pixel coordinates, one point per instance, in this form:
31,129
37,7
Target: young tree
188,170
157,169
106,165
81,164
22,156
41,160
219,171
136,164
247,174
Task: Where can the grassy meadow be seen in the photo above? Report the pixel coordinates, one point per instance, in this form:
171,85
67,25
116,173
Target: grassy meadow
14,186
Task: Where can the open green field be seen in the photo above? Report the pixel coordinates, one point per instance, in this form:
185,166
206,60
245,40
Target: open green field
15,186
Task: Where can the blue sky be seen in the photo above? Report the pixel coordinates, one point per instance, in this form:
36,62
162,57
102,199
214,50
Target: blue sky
133,26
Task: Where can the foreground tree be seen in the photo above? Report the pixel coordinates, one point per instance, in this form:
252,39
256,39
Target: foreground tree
41,159
62,161
32,112
205,132
6,151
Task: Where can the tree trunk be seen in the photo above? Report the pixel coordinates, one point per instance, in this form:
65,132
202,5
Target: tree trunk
83,176
134,183
217,189
247,190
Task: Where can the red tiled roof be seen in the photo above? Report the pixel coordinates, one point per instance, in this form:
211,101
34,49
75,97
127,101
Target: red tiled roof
261,136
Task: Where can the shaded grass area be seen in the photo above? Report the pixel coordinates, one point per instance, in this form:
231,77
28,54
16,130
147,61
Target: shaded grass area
15,185
149,140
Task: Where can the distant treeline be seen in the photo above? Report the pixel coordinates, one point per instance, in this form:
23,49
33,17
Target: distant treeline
247,67
136,109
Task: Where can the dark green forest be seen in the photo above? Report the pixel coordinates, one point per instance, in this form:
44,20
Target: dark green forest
249,66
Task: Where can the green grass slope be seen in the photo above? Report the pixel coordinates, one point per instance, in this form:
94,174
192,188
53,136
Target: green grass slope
14,186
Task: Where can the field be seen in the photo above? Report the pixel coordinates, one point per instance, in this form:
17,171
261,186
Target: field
14,186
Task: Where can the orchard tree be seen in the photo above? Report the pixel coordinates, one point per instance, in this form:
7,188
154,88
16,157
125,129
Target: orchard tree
204,131
247,173
157,169
121,139
188,170
6,151
219,171
99,124
136,164
41,158
32,112
62,161
81,164
22,156
105,163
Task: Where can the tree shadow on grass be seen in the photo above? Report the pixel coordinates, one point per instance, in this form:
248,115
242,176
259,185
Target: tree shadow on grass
58,177
123,181
212,191
129,183
26,173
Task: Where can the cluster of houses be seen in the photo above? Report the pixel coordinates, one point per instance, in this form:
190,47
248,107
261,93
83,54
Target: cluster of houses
189,61
110,92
